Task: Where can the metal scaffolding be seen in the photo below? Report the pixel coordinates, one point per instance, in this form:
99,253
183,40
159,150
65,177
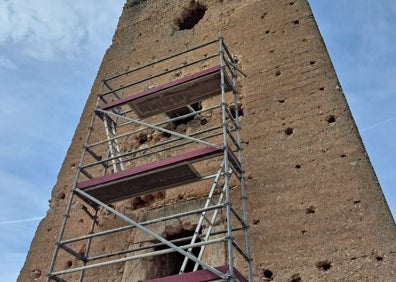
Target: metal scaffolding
154,110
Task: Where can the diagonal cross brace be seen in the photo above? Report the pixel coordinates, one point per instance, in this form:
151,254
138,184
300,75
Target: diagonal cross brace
161,129
152,234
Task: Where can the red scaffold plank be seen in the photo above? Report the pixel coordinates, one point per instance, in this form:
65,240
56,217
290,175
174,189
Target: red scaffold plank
175,94
199,276
147,178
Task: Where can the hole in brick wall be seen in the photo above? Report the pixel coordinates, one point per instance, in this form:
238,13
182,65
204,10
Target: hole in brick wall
143,139
107,212
166,134
357,202
321,88
256,221
303,231
296,22
310,210
184,111
68,264
191,16
268,273
295,278
330,119
234,110
171,127
312,62
278,73
82,250
379,258
289,131
146,200
137,203
36,273
61,195
343,155
281,101
170,263
298,166
324,265
291,3
204,121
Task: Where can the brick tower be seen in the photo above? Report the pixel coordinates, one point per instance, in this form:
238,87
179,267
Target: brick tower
315,211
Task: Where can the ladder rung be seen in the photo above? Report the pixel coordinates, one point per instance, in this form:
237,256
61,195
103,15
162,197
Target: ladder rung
207,220
111,135
211,200
112,126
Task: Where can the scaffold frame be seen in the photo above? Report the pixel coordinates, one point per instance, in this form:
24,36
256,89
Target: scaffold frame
109,171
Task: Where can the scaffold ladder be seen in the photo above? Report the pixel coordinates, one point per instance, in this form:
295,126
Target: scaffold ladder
113,151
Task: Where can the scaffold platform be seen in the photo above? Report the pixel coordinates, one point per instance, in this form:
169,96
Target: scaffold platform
147,178
175,94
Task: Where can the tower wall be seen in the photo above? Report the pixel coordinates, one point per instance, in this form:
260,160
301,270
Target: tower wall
315,207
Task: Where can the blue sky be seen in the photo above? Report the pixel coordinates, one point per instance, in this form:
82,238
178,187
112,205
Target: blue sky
50,51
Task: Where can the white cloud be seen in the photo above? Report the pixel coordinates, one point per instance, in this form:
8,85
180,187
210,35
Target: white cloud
20,220
53,48
45,29
7,63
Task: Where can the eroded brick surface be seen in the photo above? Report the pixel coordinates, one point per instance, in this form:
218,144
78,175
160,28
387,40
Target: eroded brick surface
315,207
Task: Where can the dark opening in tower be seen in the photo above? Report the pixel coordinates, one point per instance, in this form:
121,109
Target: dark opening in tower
171,263
184,111
191,16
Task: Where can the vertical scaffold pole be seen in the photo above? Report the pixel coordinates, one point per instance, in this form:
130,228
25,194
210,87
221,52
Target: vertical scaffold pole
242,175
71,197
89,241
225,160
